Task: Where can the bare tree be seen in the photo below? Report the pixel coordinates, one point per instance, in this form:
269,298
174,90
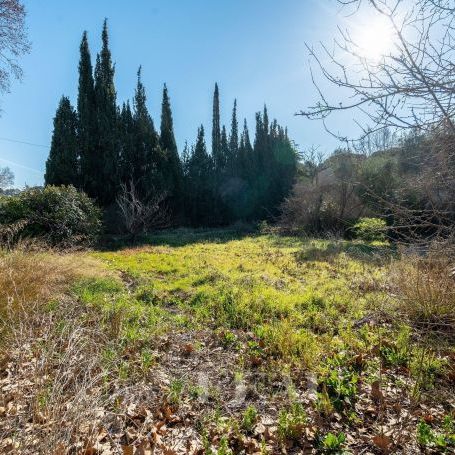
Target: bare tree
139,215
6,178
411,87
13,41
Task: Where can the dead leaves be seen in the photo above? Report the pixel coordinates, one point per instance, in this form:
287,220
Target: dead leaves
382,442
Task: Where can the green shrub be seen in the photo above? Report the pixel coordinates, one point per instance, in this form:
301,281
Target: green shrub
370,229
59,216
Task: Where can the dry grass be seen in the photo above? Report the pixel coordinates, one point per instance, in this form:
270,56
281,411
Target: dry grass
426,293
50,357
33,276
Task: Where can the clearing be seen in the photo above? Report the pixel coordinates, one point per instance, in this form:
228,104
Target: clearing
215,342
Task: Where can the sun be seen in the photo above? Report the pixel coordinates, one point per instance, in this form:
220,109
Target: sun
374,39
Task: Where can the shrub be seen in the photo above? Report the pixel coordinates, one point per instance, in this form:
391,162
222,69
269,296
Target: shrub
370,229
59,216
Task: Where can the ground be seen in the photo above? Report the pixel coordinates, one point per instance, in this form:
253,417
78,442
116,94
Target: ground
219,342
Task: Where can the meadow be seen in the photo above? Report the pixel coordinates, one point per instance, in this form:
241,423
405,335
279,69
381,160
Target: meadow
220,342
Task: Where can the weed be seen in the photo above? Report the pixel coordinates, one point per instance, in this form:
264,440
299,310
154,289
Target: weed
338,384
250,418
292,422
427,437
332,443
175,393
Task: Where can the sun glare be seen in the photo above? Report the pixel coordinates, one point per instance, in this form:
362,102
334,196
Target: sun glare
374,38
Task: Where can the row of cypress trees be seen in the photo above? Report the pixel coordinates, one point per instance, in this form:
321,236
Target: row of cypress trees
99,146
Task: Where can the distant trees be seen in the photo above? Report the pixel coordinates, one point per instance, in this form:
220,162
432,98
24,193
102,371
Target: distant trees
13,41
117,156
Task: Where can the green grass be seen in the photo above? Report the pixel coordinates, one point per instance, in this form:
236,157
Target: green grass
239,329
299,297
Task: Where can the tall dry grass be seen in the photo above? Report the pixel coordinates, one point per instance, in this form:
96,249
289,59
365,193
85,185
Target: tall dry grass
51,372
425,288
31,276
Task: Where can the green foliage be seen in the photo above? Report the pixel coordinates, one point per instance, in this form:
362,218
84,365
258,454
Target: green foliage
338,383
370,229
250,418
444,440
292,422
332,443
60,216
62,164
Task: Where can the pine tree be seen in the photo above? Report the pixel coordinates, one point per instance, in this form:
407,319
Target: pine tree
106,124
62,164
173,172
86,131
216,131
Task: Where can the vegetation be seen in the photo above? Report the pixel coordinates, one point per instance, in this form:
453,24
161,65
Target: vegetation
59,216
101,148
225,342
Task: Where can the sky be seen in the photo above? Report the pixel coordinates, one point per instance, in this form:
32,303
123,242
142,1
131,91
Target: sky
254,49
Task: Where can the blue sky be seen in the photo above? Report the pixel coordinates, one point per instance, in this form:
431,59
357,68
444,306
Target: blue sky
254,49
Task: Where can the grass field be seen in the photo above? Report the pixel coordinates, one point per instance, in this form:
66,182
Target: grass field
215,342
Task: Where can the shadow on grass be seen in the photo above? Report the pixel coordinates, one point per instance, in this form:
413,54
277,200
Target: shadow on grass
328,250
177,238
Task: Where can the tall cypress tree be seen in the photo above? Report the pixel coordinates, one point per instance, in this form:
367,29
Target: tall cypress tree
224,150
199,184
216,131
86,131
234,136
173,174
106,123
62,164
149,160
127,139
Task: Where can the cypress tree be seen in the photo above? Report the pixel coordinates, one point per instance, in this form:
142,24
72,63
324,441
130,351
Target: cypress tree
89,168
106,123
174,175
224,150
148,160
62,164
199,187
245,165
127,139
216,131
234,137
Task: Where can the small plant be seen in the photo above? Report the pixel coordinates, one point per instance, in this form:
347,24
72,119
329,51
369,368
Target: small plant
397,354
338,383
223,448
250,417
175,391
292,422
228,338
333,444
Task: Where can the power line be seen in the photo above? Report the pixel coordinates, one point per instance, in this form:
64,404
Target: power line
23,142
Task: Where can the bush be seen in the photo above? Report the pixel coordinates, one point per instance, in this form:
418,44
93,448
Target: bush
370,229
59,216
